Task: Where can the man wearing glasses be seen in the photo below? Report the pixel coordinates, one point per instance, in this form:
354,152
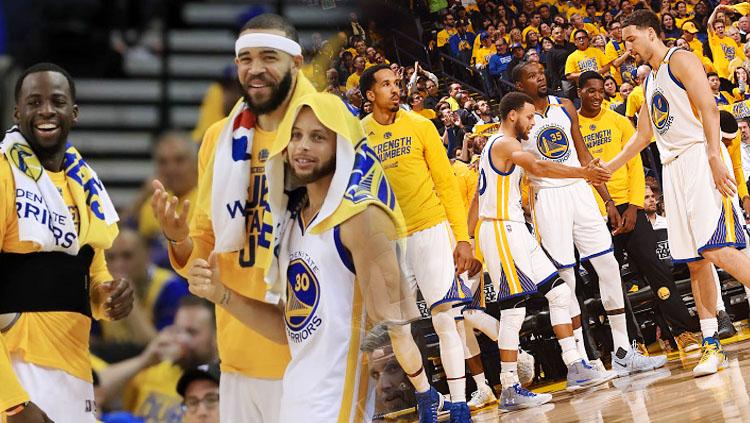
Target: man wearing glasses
199,389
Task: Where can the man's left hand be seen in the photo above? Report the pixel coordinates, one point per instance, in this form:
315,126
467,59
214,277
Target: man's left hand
462,257
117,297
627,223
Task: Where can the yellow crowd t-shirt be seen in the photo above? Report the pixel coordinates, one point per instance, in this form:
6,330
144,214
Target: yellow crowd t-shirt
444,35
152,394
591,59
634,101
58,340
724,50
605,136
417,166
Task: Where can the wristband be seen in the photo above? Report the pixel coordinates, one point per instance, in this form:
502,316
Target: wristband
17,409
609,201
173,242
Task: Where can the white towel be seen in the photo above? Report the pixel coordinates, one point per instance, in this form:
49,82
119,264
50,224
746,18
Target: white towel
43,216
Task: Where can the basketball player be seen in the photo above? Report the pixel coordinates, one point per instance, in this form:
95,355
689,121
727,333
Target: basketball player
56,220
230,216
415,163
517,265
566,216
325,274
699,192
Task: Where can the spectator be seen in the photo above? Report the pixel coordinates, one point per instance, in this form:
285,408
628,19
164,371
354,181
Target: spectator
370,57
556,58
359,67
722,98
484,112
740,80
449,30
219,99
461,43
723,48
668,27
518,54
743,27
453,131
625,89
426,76
744,128
584,58
392,387
577,24
532,40
681,15
688,34
345,67
416,102
636,97
532,56
468,117
453,92
366,109
481,58
612,97
354,100
649,207
332,83
199,389
431,100
498,66
599,42
158,291
622,64
356,27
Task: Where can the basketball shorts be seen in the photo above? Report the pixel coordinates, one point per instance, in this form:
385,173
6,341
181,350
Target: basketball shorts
63,397
698,216
429,264
247,399
516,263
568,217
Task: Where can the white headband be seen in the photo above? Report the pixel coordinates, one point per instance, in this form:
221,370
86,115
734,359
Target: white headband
267,40
731,135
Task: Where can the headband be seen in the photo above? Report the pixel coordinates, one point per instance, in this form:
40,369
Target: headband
267,40
728,135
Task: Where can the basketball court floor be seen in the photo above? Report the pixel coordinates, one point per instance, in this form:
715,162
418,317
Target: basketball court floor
670,394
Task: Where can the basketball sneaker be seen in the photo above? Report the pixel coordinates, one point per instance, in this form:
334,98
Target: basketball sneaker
517,397
631,361
582,375
483,396
713,358
686,342
428,404
460,413
599,366
726,328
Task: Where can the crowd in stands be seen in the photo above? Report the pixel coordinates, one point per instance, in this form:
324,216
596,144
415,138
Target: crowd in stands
140,360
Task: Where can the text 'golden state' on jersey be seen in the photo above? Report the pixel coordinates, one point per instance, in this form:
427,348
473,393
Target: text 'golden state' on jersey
550,139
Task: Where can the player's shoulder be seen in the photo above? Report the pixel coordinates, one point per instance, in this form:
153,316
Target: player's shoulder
372,218
210,138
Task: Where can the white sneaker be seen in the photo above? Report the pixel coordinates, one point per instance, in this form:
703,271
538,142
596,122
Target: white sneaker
712,360
599,366
482,397
631,361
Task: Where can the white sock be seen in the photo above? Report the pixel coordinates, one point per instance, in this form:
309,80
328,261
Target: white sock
619,328
709,327
457,387
569,352
480,380
719,301
508,373
580,346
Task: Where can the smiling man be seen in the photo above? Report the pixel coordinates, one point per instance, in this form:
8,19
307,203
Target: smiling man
56,220
231,216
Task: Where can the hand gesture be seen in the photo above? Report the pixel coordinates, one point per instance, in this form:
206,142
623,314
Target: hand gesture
724,182
173,224
116,297
627,222
595,173
204,280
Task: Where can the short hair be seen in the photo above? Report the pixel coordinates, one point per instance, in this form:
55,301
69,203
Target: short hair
272,21
45,67
710,74
587,76
518,70
575,33
513,101
643,19
376,339
367,80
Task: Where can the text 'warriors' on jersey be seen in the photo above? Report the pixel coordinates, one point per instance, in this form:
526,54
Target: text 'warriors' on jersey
499,192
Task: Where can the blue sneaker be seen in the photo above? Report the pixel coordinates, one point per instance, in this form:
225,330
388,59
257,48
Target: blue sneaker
582,375
517,397
428,404
460,413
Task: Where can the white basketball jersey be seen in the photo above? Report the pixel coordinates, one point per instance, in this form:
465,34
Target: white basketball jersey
673,119
551,139
326,379
499,192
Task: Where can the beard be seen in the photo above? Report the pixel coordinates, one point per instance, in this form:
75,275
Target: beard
324,169
522,134
45,149
279,93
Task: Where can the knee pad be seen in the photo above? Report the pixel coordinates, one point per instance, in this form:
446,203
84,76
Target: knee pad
559,305
511,321
444,322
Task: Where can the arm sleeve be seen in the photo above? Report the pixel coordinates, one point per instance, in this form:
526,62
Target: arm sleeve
201,229
636,174
12,392
444,179
494,65
736,155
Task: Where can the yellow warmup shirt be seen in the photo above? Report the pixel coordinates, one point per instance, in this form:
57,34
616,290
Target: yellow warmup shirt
12,392
58,340
152,394
149,227
417,166
591,59
735,154
444,35
482,55
605,136
241,349
634,102
352,81
467,181
724,50
211,111
427,113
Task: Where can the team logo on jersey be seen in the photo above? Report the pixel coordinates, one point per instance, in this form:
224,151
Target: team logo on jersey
25,160
387,135
553,144
660,112
592,127
303,296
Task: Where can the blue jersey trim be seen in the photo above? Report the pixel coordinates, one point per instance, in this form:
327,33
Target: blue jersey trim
608,250
492,165
343,252
688,260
